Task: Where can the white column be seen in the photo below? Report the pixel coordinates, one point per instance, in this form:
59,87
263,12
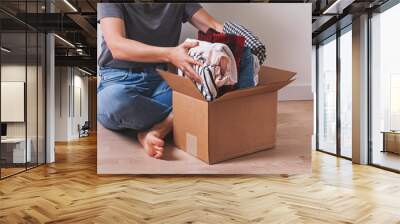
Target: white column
50,92
314,92
360,90
50,99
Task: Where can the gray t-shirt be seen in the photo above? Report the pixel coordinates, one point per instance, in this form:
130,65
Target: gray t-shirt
156,24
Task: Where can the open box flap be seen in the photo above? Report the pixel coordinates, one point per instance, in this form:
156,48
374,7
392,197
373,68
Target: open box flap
271,75
272,87
181,84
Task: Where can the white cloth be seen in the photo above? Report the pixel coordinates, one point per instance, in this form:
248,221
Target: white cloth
218,69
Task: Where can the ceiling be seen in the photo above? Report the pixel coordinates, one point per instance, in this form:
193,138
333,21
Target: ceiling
75,21
331,15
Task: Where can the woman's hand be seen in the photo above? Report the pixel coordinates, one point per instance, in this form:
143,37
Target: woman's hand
179,57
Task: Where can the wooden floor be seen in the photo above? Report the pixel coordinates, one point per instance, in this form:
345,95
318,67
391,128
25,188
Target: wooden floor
70,191
120,153
387,159
10,171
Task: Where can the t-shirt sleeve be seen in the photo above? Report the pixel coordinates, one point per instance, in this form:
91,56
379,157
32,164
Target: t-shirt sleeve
109,10
189,10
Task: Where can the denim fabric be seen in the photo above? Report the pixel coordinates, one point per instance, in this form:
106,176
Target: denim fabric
246,70
132,100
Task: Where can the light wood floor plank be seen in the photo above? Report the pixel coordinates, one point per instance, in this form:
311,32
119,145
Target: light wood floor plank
70,191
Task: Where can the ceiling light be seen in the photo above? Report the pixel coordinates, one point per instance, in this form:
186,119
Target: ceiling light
64,40
337,7
84,71
5,50
70,5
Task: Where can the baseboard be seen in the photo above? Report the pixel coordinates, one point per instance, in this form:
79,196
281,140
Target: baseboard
60,139
66,138
295,92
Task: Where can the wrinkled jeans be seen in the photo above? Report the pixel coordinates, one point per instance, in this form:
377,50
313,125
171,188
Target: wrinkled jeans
132,100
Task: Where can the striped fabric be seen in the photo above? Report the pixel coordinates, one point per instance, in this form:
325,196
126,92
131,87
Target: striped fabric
214,77
208,88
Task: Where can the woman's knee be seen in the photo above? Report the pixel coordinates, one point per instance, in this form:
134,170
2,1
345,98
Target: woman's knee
122,107
115,98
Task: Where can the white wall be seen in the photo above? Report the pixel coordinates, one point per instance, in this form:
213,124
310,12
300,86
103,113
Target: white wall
61,103
80,84
284,28
69,82
17,72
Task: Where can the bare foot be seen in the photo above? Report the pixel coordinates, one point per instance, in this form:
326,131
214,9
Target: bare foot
152,143
152,140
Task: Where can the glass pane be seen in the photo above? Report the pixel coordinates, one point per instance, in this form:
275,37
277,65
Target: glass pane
32,98
327,97
23,82
32,85
386,89
346,94
13,86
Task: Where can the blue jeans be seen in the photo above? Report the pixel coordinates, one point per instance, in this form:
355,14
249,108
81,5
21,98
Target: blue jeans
246,70
132,100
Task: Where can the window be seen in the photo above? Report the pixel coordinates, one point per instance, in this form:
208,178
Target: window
334,97
326,136
22,79
346,93
385,89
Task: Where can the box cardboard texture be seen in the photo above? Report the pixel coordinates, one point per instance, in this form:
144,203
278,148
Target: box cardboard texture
238,123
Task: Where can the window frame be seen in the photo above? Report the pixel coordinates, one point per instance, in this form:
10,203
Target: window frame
334,37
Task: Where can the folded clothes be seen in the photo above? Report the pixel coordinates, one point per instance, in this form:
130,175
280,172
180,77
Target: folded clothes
218,67
234,42
236,47
253,42
246,71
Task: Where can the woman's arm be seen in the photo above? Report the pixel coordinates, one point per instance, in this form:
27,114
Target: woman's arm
126,49
203,21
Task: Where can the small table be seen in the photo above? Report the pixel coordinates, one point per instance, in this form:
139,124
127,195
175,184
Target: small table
391,141
13,150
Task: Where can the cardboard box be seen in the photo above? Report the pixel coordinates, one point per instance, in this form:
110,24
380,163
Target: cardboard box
238,123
